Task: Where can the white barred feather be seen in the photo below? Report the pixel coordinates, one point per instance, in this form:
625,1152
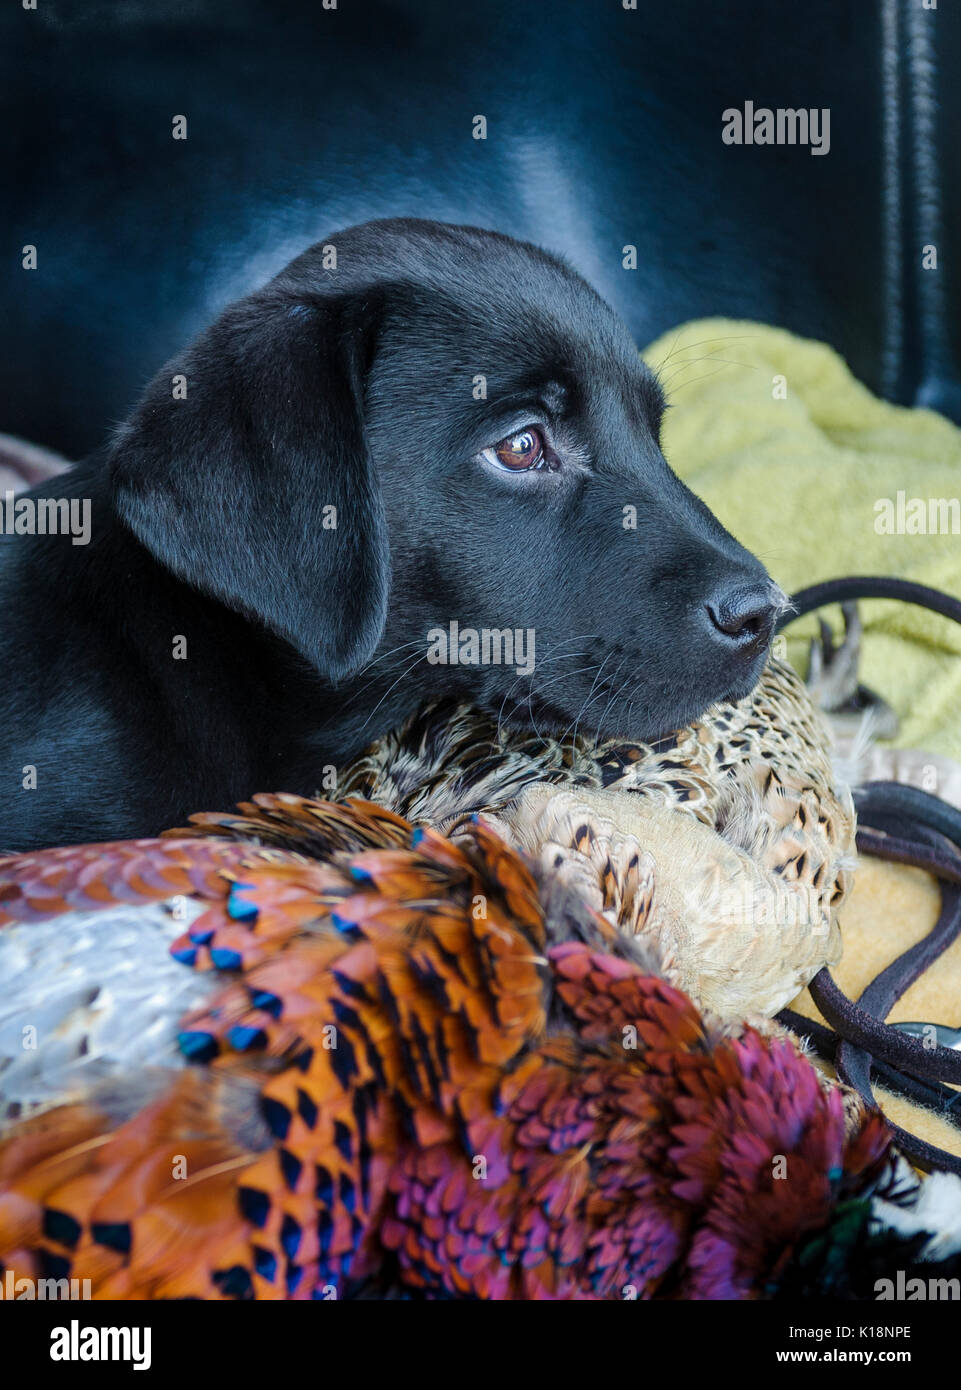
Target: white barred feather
89,995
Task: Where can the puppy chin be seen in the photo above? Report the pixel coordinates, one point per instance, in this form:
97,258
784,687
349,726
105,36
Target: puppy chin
636,724
730,693
661,727
746,682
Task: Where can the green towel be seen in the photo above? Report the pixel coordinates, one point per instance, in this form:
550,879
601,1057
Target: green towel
795,456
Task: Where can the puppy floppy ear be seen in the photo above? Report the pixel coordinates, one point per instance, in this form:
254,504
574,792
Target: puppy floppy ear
231,486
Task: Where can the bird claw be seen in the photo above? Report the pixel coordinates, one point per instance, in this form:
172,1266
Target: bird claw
832,679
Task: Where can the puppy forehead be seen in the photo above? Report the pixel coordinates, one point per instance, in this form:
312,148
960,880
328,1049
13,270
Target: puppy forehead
462,302
570,351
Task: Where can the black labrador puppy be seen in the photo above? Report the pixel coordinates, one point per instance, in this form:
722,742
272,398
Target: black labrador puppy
422,461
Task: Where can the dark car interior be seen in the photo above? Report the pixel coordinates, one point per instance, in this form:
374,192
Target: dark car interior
603,126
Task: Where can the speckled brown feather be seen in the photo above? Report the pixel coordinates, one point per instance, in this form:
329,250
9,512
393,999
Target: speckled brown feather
731,843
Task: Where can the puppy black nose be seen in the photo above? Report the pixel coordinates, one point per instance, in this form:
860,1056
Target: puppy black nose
745,615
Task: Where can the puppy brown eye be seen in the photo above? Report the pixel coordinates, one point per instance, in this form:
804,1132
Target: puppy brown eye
519,452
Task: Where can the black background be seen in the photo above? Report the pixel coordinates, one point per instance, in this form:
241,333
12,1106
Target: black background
604,129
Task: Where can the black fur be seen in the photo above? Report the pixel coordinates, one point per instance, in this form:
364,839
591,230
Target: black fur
356,388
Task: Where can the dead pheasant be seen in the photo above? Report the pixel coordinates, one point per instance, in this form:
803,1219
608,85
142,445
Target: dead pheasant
730,843
418,1068
384,1059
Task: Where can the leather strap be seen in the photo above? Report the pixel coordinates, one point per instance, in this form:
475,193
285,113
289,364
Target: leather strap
908,826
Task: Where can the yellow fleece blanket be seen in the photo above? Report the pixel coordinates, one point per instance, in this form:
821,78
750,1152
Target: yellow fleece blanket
805,466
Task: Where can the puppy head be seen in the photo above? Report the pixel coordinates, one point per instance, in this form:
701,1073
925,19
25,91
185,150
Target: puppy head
446,427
